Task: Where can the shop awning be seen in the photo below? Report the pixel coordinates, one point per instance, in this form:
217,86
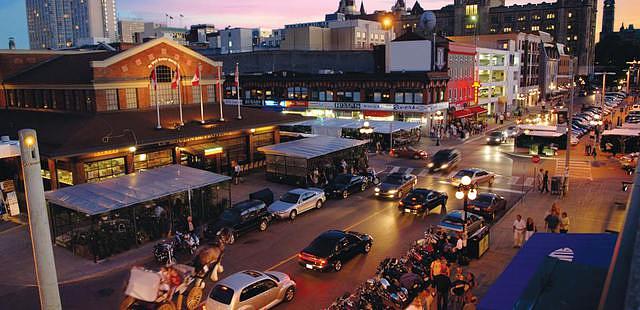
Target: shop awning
313,147
462,113
9,149
124,191
622,132
326,126
206,149
478,109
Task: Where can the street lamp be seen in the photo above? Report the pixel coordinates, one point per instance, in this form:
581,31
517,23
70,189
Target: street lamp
367,130
439,117
466,191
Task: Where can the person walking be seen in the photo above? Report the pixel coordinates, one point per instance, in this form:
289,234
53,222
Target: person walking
539,177
519,227
564,223
531,229
459,289
443,284
545,182
552,222
236,172
594,153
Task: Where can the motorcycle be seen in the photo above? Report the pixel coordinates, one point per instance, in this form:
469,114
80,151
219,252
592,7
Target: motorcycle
370,176
187,242
164,252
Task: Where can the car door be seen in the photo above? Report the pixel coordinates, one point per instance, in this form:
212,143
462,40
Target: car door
248,219
349,244
306,201
354,185
431,200
482,176
259,294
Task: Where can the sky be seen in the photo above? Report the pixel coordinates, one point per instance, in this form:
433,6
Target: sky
248,13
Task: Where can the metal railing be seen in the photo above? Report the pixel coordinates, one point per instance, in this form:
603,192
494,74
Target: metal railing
622,286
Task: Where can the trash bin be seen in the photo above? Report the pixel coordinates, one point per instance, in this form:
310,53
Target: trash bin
478,243
556,185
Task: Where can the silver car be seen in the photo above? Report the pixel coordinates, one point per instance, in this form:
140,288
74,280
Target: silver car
251,289
477,176
297,201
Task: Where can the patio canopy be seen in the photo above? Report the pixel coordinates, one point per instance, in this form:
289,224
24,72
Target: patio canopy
9,149
124,191
313,147
383,127
622,132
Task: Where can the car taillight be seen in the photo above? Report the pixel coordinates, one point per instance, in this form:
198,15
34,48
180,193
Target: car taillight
401,203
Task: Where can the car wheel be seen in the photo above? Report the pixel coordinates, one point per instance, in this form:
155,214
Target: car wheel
289,294
416,156
337,266
363,187
367,247
292,215
319,204
232,238
263,225
345,194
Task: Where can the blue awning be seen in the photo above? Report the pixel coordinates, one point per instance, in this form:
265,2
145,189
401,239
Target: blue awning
127,190
592,250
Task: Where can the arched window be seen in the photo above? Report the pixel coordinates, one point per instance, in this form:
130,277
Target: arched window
165,95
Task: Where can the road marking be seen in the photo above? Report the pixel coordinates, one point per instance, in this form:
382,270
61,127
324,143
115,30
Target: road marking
286,260
408,171
424,173
513,180
394,169
495,189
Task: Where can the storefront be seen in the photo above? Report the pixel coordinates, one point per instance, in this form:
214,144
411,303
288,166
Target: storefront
101,219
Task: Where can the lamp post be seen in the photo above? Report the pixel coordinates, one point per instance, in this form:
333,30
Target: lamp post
466,191
604,86
438,117
367,130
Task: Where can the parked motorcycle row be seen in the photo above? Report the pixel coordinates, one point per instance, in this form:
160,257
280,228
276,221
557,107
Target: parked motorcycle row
398,281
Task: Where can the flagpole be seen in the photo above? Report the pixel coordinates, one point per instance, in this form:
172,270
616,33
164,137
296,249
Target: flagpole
220,92
179,81
155,96
200,85
238,89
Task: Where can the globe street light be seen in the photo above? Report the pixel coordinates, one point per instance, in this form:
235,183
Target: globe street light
466,191
367,130
438,117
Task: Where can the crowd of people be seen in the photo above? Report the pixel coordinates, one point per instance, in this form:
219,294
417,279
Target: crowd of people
555,221
460,128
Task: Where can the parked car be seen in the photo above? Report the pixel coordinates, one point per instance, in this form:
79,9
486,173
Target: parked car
408,152
333,248
510,132
344,185
495,138
241,218
444,160
395,185
297,201
477,176
251,289
455,221
421,200
487,205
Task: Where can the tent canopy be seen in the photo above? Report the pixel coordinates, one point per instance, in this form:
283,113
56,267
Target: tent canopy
539,133
313,147
382,127
127,190
9,149
510,289
622,132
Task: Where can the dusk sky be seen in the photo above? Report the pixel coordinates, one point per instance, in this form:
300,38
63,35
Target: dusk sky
245,13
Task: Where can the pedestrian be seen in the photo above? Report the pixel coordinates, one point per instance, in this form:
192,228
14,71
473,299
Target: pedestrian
594,154
519,227
587,149
461,246
539,177
436,267
236,173
443,284
459,289
551,222
545,182
531,229
564,223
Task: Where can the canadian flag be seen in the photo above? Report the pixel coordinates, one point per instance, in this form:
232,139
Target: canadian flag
237,76
196,78
176,80
154,80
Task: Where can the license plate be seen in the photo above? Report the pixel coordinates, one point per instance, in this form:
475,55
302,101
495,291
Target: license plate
309,266
407,210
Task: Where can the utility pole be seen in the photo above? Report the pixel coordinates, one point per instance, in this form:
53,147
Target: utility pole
569,122
604,86
43,258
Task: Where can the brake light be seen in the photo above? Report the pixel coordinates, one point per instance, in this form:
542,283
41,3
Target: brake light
401,203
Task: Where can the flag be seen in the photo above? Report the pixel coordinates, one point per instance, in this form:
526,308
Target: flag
237,77
154,80
176,80
196,78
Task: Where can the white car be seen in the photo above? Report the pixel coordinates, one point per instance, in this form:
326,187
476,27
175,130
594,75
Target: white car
297,201
251,289
477,176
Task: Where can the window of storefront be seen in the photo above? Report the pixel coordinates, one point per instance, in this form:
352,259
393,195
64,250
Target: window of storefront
297,93
152,159
195,94
259,140
65,176
132,98
378,95
230,92
165,95
104,169
348,96
325,95
211,93
234,150
112,99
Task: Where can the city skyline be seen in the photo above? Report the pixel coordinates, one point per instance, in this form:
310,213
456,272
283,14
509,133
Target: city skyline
246,13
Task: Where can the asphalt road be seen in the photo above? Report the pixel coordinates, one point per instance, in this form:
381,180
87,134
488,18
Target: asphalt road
276,248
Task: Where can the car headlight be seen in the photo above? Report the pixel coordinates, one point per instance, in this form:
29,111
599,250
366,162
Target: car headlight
488,139
430,165
445,166
393,191
377,189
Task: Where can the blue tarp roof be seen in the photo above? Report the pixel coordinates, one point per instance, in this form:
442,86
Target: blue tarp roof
586,249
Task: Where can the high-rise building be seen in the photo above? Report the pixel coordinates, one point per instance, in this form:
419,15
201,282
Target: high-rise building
128,29
570,22
608,16
58,24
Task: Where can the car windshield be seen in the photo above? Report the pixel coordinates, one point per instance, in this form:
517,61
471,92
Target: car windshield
342,179
393,179
416,196
322,246
229,215
222,294
482,201
463,173
441,155
290,198
496,134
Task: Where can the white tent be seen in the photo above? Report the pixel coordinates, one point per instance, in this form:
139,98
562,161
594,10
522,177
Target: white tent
333,126
9,149
621,132
310,147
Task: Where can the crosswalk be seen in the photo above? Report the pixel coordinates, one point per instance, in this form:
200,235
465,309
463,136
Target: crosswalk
580,169
500,180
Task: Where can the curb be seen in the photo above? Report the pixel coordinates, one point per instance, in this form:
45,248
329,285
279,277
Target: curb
526,156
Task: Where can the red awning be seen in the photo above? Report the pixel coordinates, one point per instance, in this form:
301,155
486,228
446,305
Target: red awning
462,113
478,109
373,113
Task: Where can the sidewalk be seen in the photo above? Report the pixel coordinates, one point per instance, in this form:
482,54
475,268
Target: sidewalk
17,258
593,207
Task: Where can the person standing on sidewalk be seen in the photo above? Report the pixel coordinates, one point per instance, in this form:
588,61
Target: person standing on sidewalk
531,229
519,227
545,182
552,222
594,153
564,223
539,177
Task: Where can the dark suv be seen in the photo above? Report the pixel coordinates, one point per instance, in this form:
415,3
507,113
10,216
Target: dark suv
241,218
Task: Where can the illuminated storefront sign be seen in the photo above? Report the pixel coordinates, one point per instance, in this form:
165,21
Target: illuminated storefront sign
398,107
213,151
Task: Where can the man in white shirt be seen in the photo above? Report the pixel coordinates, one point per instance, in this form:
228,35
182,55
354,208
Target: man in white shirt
519,228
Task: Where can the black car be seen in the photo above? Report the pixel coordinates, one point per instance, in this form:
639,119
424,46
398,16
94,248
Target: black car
444,160
487,205
333,248
241,218
422,200
345,184
495,138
